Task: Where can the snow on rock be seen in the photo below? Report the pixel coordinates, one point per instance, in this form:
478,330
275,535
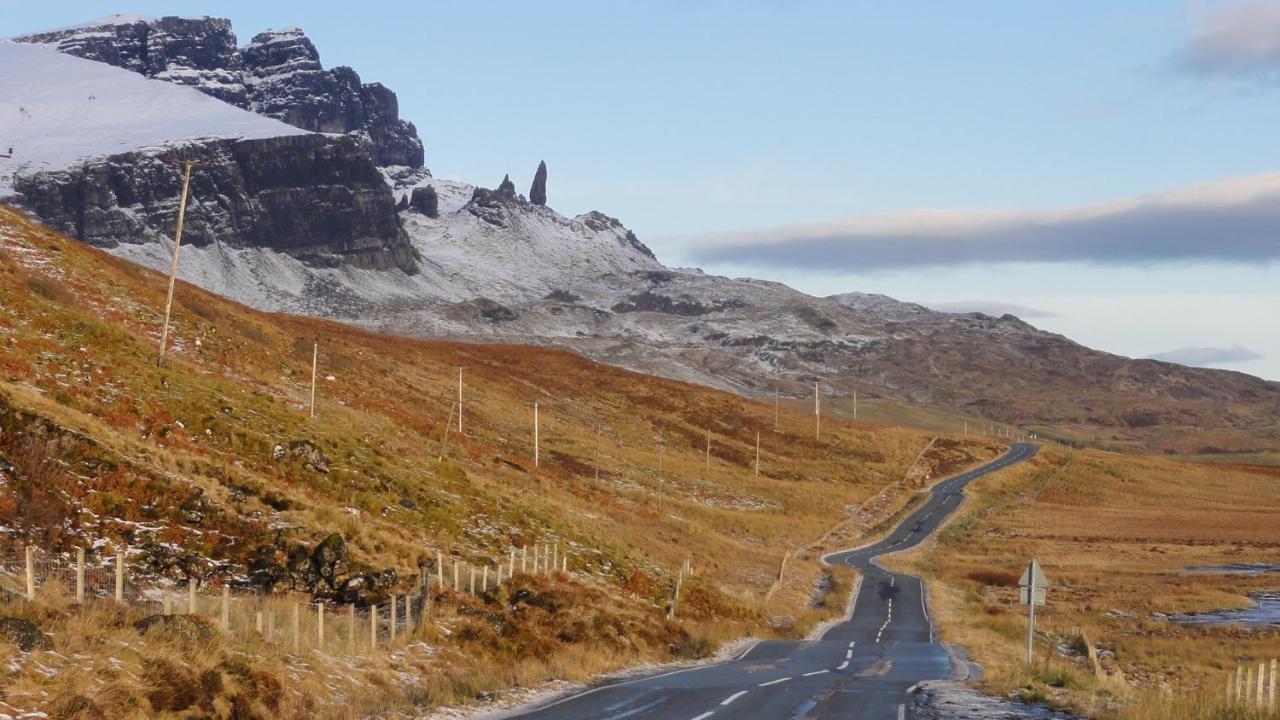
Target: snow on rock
58,111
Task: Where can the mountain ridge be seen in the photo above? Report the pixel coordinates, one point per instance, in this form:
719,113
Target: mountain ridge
440,257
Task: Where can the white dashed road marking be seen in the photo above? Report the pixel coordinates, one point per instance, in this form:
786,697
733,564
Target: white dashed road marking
817,672
773,682
733,697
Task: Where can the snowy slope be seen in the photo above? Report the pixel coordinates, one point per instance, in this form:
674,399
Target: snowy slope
57,110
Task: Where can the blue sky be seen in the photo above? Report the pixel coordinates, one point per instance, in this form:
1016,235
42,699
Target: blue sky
743,124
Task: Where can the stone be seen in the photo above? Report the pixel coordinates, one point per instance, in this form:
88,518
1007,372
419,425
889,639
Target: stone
426,201
538,191
23,633
506,188
189,629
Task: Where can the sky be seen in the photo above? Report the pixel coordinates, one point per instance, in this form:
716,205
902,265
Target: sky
1105,170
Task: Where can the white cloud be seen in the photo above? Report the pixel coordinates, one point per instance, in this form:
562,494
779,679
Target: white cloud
1205,356
1243,38
1236,220
994,308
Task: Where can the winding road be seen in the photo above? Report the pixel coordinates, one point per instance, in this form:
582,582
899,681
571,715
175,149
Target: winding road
860,668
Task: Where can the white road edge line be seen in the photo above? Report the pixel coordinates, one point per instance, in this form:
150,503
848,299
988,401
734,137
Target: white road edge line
843,665
733,697
773,682
816,672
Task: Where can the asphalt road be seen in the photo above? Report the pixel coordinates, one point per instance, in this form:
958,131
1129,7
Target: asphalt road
860,668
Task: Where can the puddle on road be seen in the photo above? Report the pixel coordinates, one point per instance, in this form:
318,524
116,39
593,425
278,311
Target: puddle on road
1265,613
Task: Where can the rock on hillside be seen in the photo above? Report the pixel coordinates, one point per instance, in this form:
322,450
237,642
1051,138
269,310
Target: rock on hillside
277,75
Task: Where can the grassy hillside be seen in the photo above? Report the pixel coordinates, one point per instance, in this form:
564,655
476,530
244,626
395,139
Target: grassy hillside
1115,535
209,467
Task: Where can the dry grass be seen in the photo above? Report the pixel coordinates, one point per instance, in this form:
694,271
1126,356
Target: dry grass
214,454
1114,534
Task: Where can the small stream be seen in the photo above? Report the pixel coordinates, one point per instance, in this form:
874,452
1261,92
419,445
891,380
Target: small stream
1265,613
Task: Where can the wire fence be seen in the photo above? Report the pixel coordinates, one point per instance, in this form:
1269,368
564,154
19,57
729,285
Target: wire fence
288,620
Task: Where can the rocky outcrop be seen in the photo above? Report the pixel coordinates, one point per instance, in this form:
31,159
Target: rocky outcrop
538,191
278,74
506,188
425,201
318,198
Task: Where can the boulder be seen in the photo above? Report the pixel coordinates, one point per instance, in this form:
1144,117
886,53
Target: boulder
426,201
25,634
190,629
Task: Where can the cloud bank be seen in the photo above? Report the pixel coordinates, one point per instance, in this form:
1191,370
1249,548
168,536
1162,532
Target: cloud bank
1203,356
994,308
1240,39
1234,220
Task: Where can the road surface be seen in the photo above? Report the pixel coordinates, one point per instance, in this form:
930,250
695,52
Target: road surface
860,668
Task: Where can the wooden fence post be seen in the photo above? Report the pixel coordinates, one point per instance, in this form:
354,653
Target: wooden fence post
271,626
257,624
226,608
457,582
472,587
191,596
511,568
297,626
439,568
31,573
524,558
1271,693
167,601
392,633
373,626
80,575
484,582
351,628
320,625
1262,675
119,575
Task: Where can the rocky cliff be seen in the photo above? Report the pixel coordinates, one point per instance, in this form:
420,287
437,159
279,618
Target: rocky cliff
317,198
278,75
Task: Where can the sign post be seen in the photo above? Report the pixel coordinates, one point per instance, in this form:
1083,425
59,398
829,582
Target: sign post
1031,587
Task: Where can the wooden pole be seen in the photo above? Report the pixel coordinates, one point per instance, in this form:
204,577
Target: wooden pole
596,458
191,596
257,623
457,570
511,567
555,554
297,626
524,558
535,433
775,406
757,453
473,581
320,625
707,471
31,573
439,568
80,575
484,584
855,404
1271,691
1262,670
173,265
459,399
226,608
373,626
167,601
119,575
817,414
392,607
315,356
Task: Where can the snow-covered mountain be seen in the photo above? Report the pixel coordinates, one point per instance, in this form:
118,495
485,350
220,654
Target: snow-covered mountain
318,201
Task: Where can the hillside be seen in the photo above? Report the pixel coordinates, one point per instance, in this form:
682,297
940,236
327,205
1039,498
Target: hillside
347,222
209,468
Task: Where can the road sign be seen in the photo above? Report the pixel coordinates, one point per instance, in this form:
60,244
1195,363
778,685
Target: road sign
1033,576
1031,593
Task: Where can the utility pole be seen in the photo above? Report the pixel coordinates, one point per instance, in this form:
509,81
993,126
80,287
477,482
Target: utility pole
708,470
775,406
459,399
661,470
817,414
757,453
855,404
177,244
315,354
535,433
